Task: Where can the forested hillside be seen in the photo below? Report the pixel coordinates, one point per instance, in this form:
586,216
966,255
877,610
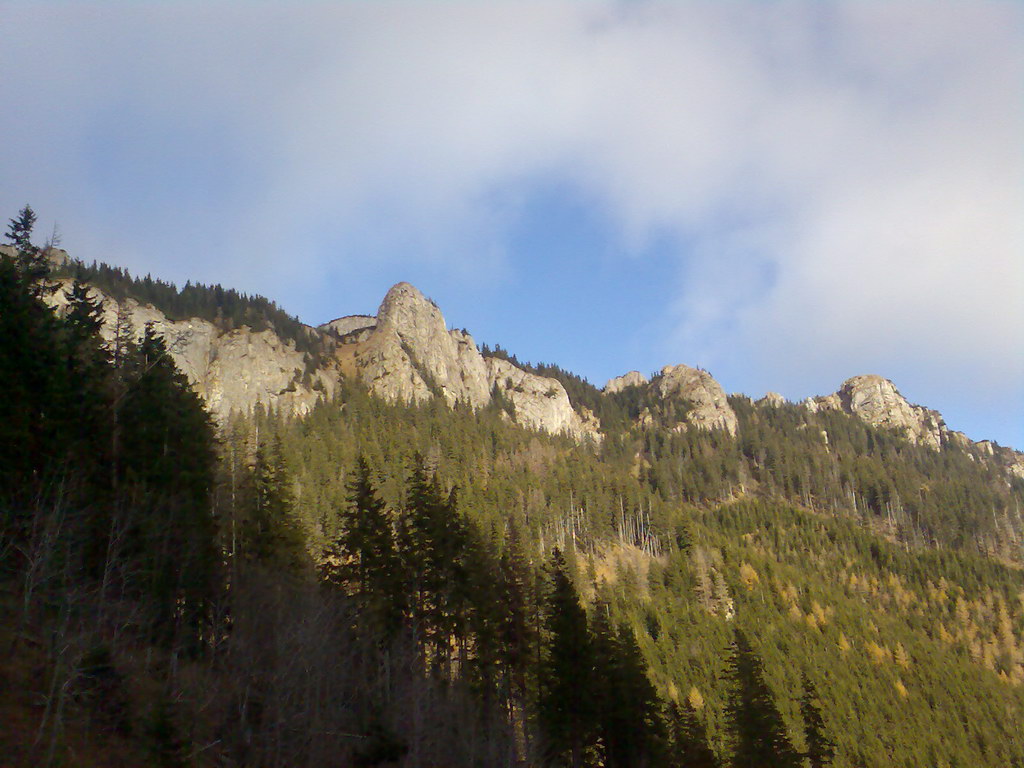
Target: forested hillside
379,584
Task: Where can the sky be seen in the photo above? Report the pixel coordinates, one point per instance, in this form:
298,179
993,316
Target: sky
787,194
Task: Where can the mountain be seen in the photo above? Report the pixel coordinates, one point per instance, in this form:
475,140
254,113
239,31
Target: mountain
406,353
253,542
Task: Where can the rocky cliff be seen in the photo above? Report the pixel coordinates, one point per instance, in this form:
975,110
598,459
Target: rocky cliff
877,401
710,406
411,356
619,383
407,354
231,369
540,402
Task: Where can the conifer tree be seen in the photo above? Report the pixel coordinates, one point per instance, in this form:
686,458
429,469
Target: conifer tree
366,547
567,704
516,633
628,711
820,747
689,740
166,455
760,739
273,535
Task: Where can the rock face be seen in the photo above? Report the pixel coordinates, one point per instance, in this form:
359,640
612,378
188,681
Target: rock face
232,370
772,400
540,402
619,383
711,409
407,354
348,324
878,402
410,355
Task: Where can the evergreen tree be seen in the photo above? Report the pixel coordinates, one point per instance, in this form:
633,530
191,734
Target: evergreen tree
32,264
516,635
628,710
760,735
166,455
368,557
689,740
820,747
434,539
567,704
272,535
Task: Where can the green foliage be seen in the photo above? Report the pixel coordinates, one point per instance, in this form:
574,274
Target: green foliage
689,741
820,747
567,703
863,563
224,307
760,735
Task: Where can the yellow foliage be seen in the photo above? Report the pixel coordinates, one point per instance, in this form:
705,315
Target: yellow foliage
901,656
749,576
876,652
900,688
944,634
695,699
844,644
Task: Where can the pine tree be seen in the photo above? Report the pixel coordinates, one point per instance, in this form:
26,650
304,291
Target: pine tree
516,634
33,267
820,747
368,557
689,740
567,695
433,544
759,732
628,709
166,456
272,534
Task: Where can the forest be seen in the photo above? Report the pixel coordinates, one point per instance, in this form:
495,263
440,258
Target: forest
379,584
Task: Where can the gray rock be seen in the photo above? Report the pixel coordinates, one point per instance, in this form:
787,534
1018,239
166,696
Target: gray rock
879,403
411,355
619,383
343,326
772,400
540,402
711,409
231,370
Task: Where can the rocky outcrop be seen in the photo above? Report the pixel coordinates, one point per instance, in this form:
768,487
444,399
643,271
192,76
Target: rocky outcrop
348,324
823,403
232,370
411,356
540,402
710,407
619,383
876,401
772,400
407,354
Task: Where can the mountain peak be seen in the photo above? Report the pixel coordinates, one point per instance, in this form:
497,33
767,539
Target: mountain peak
876,400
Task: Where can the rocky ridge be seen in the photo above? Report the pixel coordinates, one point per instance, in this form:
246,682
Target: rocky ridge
406,353
619,383
877,401
231,370
710,406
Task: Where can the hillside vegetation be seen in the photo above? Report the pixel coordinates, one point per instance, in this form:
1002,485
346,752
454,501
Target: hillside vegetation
378,584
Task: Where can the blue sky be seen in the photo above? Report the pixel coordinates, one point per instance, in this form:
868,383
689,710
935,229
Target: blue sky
787,194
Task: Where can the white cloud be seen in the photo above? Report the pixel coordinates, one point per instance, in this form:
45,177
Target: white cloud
847,177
